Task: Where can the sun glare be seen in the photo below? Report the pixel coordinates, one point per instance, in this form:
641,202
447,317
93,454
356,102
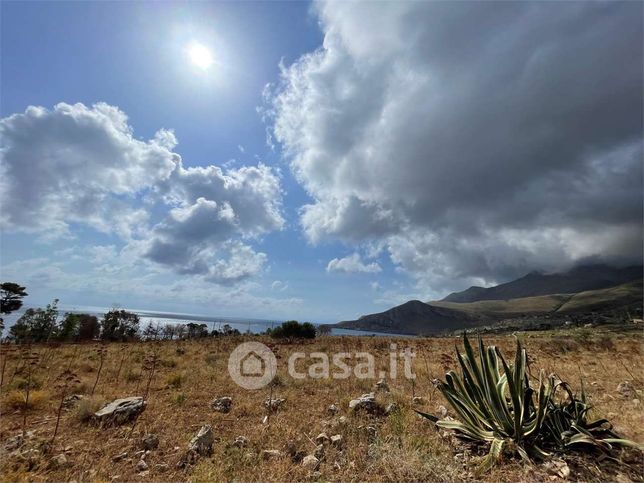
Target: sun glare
200,55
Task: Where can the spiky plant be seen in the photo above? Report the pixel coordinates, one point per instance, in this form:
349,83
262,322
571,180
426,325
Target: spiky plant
501,408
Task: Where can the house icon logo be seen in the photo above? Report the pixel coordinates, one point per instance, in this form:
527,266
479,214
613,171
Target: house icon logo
252,365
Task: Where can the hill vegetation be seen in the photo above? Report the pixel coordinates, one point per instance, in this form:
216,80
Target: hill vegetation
455,313
579,279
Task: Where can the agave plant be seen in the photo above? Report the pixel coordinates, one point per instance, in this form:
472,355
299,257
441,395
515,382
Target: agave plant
502,409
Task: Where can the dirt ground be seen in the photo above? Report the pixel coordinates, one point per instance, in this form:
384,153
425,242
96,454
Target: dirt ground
188,375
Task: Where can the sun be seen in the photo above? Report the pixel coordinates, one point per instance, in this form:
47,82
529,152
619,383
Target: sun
200,55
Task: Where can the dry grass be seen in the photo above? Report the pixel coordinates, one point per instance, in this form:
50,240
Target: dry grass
17,400
400,447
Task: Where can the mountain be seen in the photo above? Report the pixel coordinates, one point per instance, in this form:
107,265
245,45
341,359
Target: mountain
627,295
580,279
583,290
415,317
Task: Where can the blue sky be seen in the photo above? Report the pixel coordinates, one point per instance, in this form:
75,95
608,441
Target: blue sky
354,155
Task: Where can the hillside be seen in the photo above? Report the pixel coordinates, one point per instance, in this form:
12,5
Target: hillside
580,279
415,317
625,295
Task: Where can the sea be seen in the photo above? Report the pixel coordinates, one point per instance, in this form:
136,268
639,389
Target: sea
244,325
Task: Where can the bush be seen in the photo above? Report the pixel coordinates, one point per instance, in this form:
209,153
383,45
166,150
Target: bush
20,383
500,409
86,409
293,330
175,380
132,376
16,399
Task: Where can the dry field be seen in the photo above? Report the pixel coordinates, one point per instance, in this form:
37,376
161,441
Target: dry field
190,374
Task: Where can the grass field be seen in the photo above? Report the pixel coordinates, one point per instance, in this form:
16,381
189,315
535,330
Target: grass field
398,447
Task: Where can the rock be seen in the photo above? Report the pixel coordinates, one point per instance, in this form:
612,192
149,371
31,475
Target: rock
120,411
382,385
310,462
17,441
333,409
200,445
392,408
240,442
141,466
274,404
366,402
636,402
59,461
72,400
442,411
337,441
342,420
222,404
557,467
162,467
150,441
270,454
319,452
203,441
626,389
322,438
119,457
417,400
372,432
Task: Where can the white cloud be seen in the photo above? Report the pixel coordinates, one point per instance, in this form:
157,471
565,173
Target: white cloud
474,142
76,164
279,286
352,264
82,165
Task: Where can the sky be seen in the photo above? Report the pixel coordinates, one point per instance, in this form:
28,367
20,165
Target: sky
316,161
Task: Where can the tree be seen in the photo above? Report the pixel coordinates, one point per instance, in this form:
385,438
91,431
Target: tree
37,325
292,329
119,325
69,327
11,295
169,330
152,331
88,327
196,330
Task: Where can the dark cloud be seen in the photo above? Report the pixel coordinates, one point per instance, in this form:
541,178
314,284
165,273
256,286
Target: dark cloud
474,140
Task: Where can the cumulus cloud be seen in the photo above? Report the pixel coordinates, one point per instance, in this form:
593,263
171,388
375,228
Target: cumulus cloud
475,141
76,164
82,165
352,264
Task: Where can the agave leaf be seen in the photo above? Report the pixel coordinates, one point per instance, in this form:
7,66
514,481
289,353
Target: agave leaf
496,448
431,417
624,442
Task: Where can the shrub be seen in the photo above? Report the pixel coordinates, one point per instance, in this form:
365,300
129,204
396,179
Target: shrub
175,380
16,399
479,396
171,363
20,383
132,376
178,399
293,330
86,408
